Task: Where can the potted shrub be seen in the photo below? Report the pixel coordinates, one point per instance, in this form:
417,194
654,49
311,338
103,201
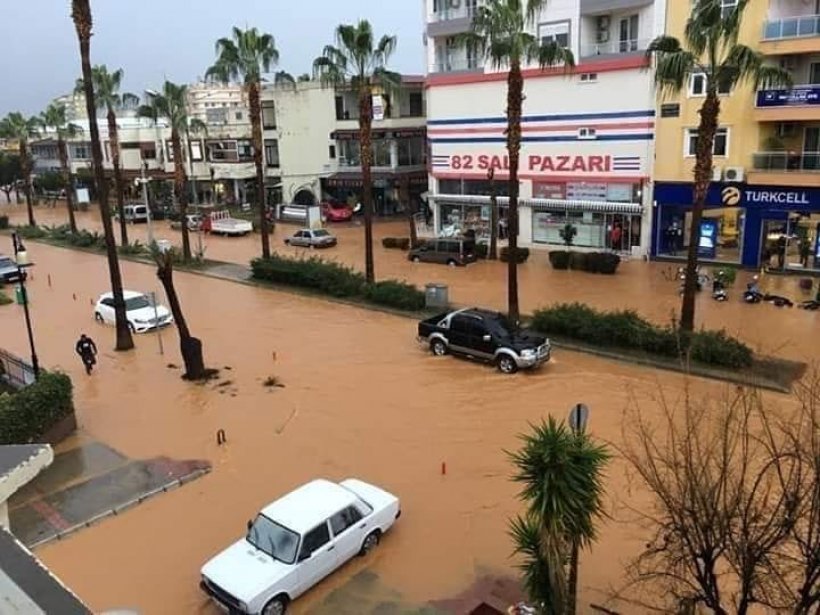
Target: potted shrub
579,261
522,254
559,259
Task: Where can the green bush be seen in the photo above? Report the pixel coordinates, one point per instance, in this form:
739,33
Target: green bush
578,261
336,280
592,262
399,295
522,254
396,243
31,232
626,329
134,249
5,299
559,259
4,222
29,413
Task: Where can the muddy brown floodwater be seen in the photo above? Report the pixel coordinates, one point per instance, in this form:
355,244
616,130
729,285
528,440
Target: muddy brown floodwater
360,399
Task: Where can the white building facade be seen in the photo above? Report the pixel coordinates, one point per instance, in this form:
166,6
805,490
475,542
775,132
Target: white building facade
587,132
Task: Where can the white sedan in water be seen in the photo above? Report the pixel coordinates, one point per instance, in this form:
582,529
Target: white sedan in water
140,311
297,541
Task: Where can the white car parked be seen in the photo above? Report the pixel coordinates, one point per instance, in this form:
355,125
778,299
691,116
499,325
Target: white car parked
140,311
297,541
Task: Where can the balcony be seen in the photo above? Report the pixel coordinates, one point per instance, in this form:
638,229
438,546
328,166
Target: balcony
613,49
791,35
595,7
450,21
456,65
785,168
800,103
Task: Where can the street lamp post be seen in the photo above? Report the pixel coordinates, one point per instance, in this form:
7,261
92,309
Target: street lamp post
144,181
21,259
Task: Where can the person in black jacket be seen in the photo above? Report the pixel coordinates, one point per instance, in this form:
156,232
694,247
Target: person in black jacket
87,350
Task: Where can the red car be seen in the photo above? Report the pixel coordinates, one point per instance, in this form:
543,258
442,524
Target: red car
334,211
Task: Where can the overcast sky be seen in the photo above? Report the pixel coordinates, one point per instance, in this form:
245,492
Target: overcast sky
156,39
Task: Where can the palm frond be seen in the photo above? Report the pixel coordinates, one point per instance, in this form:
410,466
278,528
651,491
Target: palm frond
197,126
283,78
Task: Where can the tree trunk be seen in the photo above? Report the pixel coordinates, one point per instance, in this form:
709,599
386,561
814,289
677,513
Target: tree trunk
25,167
256,132
365,124
492,252
81,14
114,143
190,347
69,186
572,584
404,198
515,90
703,176
181,193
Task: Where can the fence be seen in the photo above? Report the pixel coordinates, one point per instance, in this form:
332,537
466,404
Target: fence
15,371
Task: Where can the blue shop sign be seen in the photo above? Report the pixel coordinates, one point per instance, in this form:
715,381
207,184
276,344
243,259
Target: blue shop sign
784,198
795,97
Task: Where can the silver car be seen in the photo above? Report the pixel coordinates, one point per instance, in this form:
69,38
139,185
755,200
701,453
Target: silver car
9,271
311,238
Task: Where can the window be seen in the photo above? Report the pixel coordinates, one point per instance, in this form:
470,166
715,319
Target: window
416,104
721,147
196,151
588,77
727,6
556,32
149,152
221,151
314,539
628,34
80,152
411,151
238,116
331,152
244,149
216,116
586,133
272,153
697,85
670,110
459,324
344,519
268,115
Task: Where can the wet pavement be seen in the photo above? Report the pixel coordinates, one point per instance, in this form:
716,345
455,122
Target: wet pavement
359,399
85,484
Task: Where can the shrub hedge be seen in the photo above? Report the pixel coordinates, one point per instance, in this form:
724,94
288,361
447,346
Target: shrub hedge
29,413
336,280
522,254
396,243
626,329
593,262
4,222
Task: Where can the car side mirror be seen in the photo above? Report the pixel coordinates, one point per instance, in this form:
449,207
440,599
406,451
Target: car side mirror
250,525
487,338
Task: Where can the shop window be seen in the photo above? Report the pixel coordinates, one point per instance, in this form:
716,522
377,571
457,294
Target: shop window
672,232
721,145
603,231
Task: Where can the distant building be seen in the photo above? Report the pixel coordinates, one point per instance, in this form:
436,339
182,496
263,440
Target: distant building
74,106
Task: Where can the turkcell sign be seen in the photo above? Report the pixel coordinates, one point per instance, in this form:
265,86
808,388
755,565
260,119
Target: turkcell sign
777,197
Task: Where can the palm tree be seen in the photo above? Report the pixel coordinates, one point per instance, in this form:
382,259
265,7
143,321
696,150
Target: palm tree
17,126
500,33
562,476
359,63
172,104
247,56
109,99
81,15
54,117
710,48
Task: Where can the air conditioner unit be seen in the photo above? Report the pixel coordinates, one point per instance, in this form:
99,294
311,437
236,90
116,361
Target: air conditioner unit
786,130
734,174
717,174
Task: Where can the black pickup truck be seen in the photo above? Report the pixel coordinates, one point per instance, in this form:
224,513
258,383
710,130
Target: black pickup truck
486,336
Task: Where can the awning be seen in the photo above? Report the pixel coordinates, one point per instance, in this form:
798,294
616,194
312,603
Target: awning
379,134
604,207
353,179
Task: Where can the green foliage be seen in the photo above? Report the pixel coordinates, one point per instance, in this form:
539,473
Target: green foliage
31,232
568,233
522,254
4,222
29,413
335,280
626,329
727,274
592,262
396,243
50,181
5,299
10,170
134,249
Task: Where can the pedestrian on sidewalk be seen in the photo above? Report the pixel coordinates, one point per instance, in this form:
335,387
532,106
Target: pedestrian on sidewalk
87,350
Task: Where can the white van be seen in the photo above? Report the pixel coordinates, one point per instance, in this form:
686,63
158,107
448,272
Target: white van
134,213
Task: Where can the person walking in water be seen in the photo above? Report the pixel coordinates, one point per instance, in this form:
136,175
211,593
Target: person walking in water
87,350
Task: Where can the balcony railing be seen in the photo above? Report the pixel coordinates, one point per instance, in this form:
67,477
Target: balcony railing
449,13
786,161
614,48
792,27
455,65
796,96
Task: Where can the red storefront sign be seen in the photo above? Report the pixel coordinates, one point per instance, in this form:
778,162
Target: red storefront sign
535,163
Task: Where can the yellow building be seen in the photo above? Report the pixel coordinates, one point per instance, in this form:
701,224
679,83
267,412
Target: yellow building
763,208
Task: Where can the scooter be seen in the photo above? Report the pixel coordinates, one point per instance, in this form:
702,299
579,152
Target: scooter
719,292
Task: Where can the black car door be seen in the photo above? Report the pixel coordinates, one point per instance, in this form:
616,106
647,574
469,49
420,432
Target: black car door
481,339
459,333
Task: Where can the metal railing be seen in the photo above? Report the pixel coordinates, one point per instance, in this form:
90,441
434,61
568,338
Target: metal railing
15,371
463,11
614,47
786,161
455,65
792,27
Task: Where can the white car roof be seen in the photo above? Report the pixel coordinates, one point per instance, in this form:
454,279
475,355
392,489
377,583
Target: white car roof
307,506
126,294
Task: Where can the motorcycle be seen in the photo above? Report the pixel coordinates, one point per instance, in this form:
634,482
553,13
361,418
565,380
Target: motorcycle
719,292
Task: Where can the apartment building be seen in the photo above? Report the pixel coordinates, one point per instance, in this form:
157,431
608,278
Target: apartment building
763,208
588,132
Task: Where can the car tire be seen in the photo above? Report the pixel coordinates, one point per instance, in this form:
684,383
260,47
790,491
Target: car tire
277,606
438,347
98,317
416,259
452,263
506,364
370,542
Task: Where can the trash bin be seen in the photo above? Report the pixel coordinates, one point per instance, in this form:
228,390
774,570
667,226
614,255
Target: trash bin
436,295
20,295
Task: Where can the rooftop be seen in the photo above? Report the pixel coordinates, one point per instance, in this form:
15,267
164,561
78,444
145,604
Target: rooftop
307,506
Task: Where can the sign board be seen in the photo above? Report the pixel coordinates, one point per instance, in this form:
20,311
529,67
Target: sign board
707,242
314,217
578,416
781,198
795,97
378,108
82,195
576,164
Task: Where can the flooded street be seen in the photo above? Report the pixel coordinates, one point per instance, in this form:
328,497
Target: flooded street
359,399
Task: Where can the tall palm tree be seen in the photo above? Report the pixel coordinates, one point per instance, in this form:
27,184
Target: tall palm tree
109,99
709,47
172,104
501,33
562,476
247,56
358,62
54,117
17,126
83,23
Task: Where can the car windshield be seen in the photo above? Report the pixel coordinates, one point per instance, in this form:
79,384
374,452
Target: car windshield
503,325
320,233
276,540
137,303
